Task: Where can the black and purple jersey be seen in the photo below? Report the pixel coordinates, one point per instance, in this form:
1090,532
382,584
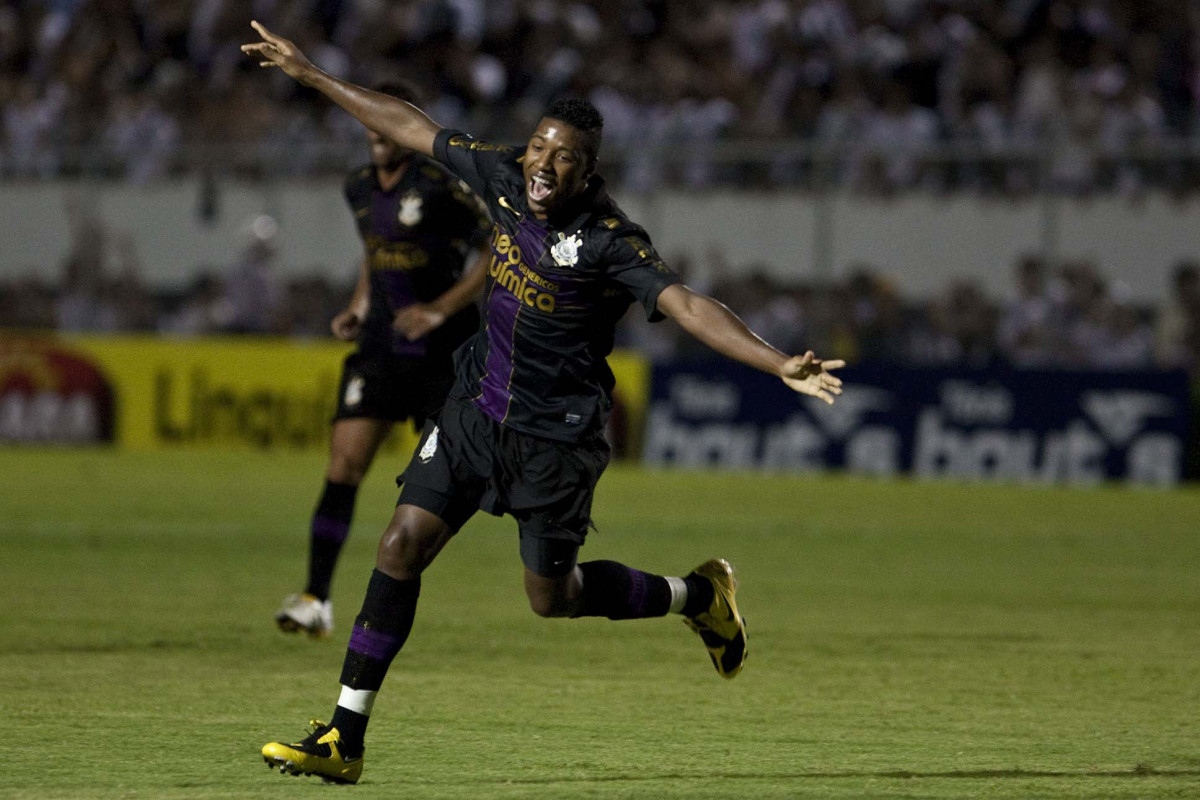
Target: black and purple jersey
554,295
416,237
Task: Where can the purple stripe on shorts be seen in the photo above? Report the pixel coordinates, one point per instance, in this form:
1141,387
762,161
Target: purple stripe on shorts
637,592
329,528
374,644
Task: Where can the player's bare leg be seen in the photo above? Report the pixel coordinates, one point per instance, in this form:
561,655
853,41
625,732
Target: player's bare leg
353,444
554,597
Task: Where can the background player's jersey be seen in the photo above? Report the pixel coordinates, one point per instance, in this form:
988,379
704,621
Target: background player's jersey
416,238
553,298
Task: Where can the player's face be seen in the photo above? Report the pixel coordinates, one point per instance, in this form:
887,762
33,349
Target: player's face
557,165
385,153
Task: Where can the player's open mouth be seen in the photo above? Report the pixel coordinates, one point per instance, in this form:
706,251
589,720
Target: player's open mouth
540,188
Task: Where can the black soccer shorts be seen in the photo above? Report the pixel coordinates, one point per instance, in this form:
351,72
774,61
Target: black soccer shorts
388,387
467,461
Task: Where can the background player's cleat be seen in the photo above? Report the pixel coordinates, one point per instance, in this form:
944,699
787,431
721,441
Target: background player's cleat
721,627
320,753
304,612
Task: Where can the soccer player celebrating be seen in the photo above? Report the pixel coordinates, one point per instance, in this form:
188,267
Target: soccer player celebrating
413,305
521,430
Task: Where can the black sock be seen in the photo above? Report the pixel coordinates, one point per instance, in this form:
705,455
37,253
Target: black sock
700,595
380,630
352,727
330,526
619,592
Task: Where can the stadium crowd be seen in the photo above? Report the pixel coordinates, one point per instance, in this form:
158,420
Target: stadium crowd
144,89
751,92
1067,315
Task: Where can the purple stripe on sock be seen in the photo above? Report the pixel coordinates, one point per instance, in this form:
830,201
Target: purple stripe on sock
329,528
374,644
637,592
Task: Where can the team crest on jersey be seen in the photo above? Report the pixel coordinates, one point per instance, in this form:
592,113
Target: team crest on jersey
354,391
566,250
426,454
410,208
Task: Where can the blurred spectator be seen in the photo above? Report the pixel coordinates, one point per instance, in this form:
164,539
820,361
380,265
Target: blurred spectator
308,306
1028,333
932,341
895,138
1130,340
972,322
28,303
91,300
875,311
1177,328
141,136
202,310
252,296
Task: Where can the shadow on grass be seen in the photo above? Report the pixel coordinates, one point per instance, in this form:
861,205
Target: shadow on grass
1138,771
116,647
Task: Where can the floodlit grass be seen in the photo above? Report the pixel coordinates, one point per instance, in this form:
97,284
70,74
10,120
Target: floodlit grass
906,640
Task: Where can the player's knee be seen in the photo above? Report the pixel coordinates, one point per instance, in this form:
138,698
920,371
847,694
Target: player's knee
549,605
553,597
407,548
348,468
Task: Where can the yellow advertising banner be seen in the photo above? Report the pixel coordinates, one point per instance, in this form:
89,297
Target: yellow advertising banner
144,392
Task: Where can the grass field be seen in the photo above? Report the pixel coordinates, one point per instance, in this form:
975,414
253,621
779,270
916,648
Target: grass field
906,640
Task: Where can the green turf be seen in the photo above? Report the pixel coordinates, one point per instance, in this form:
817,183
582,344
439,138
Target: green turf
907,640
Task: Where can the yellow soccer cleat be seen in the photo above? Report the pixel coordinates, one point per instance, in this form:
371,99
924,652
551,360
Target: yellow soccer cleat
320,753
721,627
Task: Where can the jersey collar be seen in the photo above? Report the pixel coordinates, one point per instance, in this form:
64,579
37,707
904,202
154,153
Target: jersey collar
583,207
405,166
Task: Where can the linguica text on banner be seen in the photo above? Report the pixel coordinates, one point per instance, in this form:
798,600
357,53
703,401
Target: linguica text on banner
970,425
229,393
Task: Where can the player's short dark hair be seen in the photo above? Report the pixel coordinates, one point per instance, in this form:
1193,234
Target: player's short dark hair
401,90
579,114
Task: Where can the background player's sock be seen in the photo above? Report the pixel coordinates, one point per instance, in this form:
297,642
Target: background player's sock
619,592
330,526
380,630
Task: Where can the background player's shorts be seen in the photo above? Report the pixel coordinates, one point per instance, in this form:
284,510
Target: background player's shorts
467,461
389,387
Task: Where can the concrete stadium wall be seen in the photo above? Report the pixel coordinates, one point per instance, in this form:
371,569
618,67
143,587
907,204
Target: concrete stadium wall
922,241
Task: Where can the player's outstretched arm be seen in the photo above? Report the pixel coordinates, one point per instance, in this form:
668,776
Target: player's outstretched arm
402,122
719,328
418,319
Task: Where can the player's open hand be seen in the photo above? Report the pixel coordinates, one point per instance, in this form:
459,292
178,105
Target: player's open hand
809,375
275,51
346,326
417,320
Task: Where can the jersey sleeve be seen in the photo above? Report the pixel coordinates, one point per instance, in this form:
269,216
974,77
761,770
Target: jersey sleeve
470,159
634,264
